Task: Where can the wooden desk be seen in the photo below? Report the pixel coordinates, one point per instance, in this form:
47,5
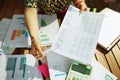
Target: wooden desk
111,59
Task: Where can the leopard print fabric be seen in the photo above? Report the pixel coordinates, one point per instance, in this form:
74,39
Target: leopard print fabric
48,6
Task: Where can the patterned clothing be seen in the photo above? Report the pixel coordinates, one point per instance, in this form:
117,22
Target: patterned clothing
48,6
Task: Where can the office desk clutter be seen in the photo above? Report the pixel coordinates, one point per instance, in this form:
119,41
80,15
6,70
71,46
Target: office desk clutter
76,41
59,69
14,31
71,56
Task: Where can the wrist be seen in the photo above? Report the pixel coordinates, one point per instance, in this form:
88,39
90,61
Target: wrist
34,38
34,35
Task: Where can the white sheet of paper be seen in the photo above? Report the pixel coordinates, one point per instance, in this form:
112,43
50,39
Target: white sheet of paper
78,35
48,32
8,50
110,29
4,26
13,68
58,65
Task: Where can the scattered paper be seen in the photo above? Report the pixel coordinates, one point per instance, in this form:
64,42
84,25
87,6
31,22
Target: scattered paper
59,66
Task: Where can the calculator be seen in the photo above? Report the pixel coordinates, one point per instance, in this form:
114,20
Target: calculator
79,71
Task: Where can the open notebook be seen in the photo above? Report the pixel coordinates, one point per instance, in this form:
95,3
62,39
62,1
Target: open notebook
110,31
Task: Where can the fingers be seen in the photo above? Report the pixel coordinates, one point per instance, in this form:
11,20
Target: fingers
37,51
83,9
39,57
33,51
41,53
82,6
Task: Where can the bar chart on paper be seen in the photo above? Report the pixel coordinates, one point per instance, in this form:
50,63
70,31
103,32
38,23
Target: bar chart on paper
18,67
48,28
19,35
11,66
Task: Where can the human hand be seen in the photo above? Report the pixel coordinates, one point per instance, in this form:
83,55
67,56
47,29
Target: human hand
81,5
37,50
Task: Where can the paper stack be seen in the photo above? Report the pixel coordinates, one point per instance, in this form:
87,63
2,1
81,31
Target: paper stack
110,31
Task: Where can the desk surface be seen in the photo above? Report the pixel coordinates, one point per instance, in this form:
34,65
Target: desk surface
110,60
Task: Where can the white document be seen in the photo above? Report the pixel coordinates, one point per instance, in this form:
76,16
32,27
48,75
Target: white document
78,35
58,66
48,28
110,31
7,50
4,26
19,67
101,73
19,35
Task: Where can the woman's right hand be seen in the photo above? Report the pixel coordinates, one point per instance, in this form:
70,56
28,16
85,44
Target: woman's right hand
37,50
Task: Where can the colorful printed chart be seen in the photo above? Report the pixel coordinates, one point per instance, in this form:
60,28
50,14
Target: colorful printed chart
19,35
19,67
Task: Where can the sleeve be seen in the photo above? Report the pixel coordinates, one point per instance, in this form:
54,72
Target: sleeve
31,3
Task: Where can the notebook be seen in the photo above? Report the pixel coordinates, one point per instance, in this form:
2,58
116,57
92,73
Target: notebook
110,31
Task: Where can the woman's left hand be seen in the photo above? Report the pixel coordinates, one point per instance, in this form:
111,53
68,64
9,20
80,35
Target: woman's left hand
81,5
